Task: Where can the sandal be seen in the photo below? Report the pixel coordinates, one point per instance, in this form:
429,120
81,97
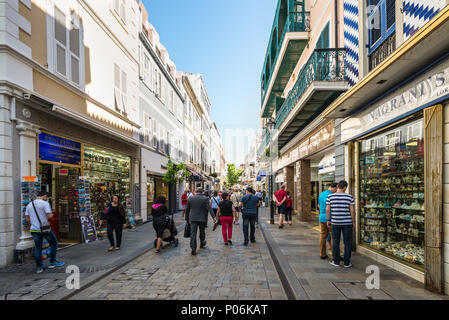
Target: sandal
111,248
116,248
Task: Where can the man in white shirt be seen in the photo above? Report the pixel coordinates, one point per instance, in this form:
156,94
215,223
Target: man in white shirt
42,208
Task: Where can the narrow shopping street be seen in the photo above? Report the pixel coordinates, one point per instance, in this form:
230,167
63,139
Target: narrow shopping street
293,270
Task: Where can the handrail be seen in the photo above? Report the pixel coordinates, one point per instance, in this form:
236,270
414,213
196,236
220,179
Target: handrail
296,22
323,65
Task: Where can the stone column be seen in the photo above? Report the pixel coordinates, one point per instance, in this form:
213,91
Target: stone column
27,167
289,174
303,190
7,237
136,180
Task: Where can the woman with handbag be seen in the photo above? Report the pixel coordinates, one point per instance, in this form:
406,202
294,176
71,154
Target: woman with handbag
116,219
159,210
227,214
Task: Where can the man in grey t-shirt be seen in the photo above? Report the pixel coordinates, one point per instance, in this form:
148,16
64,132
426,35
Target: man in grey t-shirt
42,208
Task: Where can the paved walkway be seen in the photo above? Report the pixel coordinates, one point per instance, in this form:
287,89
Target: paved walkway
94,261
314,278
217,272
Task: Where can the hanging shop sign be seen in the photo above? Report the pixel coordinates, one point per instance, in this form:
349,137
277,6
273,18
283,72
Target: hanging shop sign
56,149
327,164
428,89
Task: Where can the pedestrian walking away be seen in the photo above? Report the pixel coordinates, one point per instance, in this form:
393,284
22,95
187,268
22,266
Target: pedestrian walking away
235,198
215,200
197,210
184,198
340,216
37,214
281,197
116,220
325,230
159,211
249,205
259,196
288,208
226,214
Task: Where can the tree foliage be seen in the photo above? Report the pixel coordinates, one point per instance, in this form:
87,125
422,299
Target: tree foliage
176,173
233,175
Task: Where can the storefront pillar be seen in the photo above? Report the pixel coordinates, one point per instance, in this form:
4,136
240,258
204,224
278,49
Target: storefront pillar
136,182
289,173
27,167
303,190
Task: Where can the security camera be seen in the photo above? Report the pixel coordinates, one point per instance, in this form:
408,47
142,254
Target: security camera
27,96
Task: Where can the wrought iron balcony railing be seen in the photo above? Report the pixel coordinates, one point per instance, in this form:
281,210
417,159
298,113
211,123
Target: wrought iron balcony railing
264,144
294,22
323,65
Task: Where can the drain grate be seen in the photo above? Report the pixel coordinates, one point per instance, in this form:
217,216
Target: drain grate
357,290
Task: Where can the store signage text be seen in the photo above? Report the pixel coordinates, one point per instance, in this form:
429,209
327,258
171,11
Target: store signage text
56,149
425,91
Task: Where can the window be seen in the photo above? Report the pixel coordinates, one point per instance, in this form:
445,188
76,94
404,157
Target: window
155,141
66,45
172,101
148,129
146,70
323,40
120,9
120,90
381,17
159,85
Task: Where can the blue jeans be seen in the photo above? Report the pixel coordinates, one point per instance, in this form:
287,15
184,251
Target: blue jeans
249,220
38,240
347,240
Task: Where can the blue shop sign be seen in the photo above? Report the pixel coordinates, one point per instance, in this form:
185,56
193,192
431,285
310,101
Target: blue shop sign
59,150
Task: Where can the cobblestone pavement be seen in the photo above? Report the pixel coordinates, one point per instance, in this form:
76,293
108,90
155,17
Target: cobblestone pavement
20,282
299,246
217,272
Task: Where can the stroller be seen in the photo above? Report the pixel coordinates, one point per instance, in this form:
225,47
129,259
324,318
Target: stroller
170,232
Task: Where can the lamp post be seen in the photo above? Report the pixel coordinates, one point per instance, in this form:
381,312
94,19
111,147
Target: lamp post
270,125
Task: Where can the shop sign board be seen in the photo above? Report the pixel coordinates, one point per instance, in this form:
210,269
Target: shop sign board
56,149
88,228
427,90
317,140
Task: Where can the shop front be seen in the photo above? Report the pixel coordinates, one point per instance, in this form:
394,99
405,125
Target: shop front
79,166
63,164
396,148
309,167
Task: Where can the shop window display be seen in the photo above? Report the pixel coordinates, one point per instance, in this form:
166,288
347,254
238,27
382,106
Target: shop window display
108,174
392,192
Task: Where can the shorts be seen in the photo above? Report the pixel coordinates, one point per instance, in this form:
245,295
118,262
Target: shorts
159,227
184,206
237,209
281,208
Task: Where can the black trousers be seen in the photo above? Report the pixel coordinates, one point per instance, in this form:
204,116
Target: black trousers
118,233
193,232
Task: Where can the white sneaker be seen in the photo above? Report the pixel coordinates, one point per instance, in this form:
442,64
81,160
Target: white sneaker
348,266
334,264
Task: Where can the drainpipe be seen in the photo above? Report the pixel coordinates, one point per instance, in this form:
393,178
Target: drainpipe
336,23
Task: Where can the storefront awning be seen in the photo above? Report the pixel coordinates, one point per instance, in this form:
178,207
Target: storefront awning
194,173
327,164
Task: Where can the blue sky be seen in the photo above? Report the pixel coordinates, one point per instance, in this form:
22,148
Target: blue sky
225,41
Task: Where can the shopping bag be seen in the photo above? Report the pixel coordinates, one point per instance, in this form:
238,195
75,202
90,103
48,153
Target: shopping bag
187,230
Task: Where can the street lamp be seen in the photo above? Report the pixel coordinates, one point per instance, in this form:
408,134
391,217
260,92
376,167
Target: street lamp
270,125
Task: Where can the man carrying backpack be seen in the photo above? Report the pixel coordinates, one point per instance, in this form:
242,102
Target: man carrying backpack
37,214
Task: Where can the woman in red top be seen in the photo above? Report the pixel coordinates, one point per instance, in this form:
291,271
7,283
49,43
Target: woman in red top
184,202
288,209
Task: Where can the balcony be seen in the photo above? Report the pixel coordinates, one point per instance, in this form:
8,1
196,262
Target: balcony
288,38
321,80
